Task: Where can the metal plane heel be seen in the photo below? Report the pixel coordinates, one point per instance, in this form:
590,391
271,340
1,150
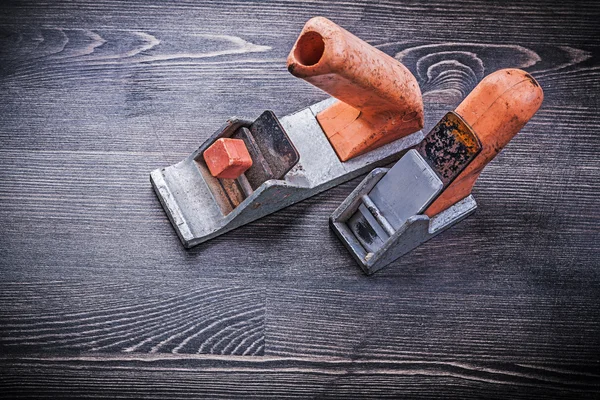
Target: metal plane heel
415,230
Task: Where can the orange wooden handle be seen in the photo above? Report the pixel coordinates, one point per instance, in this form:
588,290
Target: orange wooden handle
380,98
498,107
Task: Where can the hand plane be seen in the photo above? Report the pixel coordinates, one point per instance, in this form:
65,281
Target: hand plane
394,210
250,168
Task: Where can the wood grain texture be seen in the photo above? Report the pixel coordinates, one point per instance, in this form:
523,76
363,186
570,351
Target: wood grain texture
123,317
98,298
91,376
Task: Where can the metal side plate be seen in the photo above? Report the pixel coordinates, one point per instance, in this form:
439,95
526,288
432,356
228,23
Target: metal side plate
417,229
405,190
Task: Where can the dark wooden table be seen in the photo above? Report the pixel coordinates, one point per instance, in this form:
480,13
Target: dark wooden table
98,297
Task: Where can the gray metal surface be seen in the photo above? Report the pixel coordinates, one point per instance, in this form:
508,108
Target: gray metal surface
195,214
416,229
405,190
408,187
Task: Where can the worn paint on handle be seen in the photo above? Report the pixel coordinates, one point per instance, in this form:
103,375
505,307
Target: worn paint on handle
499,106
380,100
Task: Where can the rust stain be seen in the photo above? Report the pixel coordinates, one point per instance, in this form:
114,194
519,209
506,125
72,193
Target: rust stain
449,147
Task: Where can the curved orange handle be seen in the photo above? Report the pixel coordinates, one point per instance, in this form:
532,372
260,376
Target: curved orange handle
380,98
499,106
